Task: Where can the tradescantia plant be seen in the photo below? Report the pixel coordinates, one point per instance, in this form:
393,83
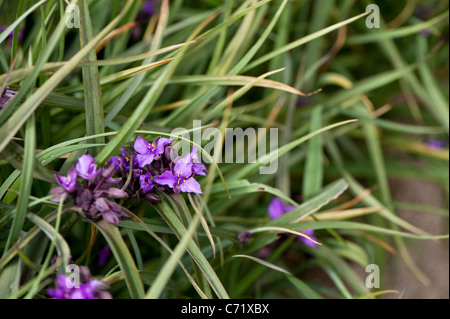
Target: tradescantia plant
103,196
154,163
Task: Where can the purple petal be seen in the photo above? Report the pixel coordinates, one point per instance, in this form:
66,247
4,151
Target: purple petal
148,7
146,183
141,146
289,208
190,186
198,169
160,143
166,178
306,241
144,159
124,153
69,182
435,144
183,167
194,155
103,255
276,208
116,161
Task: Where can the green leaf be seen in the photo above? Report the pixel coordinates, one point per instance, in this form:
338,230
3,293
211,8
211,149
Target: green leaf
26,182
123,258
91,79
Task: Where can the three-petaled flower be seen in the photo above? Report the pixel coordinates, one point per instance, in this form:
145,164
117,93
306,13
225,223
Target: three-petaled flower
181,179
147,152
68,182
123,161
146,183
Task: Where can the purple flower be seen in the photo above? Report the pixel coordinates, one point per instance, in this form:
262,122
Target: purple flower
62,290
425,32
11,34
197,167
310,234
67,288
147,10
69,182
277,208
435,144
86,167
103,255
180,179
123,161
148,151
148,7
146,183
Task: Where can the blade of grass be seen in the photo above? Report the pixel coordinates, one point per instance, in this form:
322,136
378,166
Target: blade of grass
169,267
313,172
302,41
91,80
264,263
13,124
123,257
26,183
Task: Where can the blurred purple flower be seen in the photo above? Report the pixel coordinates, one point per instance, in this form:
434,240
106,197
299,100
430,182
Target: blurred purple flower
147,152
103,255
304,101
424,12
306,241
197,167
277,208
61,291
65,287
11,34
148,9
435,144
425,32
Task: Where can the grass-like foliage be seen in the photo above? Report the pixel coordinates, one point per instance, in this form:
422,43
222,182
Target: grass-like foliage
95,188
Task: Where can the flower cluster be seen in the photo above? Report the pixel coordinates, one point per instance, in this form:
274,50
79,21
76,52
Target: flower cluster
133,175
91,194
91,288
